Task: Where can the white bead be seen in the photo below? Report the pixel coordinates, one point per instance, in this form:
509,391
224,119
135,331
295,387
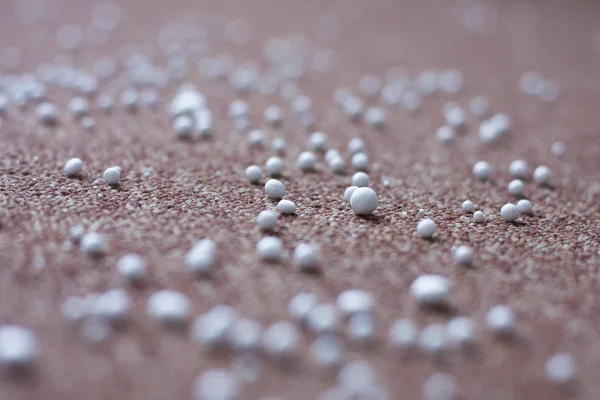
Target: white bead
426,228
211,329
287,207
74,309
256,137
463,255
129,99
430,289
88,123
132,267
306,257
79,107
105,102
360,179
456,117
479,106
300,305
327,351
432,339
307,161
274,166
253,174
266,220
375,117
370,85
509,212
364,201
467,206
113,305
542,175
318,141
501,320
353,107
76,233
559,149
18,346
204,123
361,327
200,260
403,334
482,169
427,82
445,134
489,131
450,81
360,161
269,249
216,384
348,193
281,340
169,307
357,376
560,368
245,335
439,386
518,169
516,187
356,145
112,175
238,108
273,116
46,113
524,206
323,318
460,331
73,167
337,165
411,101
93,244
354,301
479,217
278,145
274,189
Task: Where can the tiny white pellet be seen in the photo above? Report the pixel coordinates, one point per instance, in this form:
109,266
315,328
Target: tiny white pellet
430,290
403,334
74,309
306,257
323,318
361,327
73,167
204,124
558,149
482,170
327,351
149,97
278,145
238,108
318,141
79,107
287,207
211,328
426,228
356,145
463,255
113,305
169,307
300,305
18,346
516,187
253,174
524,206
307,161
76,233
479,217
273,116
340,95
105,102
370,85
355,301
200,260
256,137
129,99
432,339
439,386
501,320
360,179
281,340
467,206
479,106
348,193
93,244
353,107
376,117
274,189
450,81
560,368
509,212
216,384
269,249
445,134
542,175
88,123
357,376
364,201
460,331
132,267
266,220
519,169
360,161
46,113
427,81
274,166
411,101
337,165
455,117
245,334
112,175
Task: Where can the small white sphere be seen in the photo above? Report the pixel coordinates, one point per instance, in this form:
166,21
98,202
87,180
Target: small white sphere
432,339
403,334
269,249
216,384
479,217
306,257
357,376
274,166
560,368
76,233
364,201
376,117
245,335
73,167
426,228
463,255
201,259
509,212
360,179
256,137
113,305
287,207
274,189
445,134
105,102
18,346
559,149
79,107
266,220
501,320
440,386
355,301
516,187
278,145
370,85
360,161
273,116
112,175
467,206
129,99
318,141
323,318
169,307
307,161
88,123
337,165
524,206
482,169
450,81
353,107
93,244
330,154
300,305
479,106
348,193
46,113
518,169
281,340
460,331
238,108
327,351
211,329
542,175
430,290
132,267
455,117
356,145
253,174
361,328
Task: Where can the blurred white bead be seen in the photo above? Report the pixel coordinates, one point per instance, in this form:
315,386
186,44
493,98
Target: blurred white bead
430,290
18,346
501,320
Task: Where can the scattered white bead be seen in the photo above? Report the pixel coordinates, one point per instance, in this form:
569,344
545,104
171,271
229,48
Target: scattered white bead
238,108
76,233
323,318
211,329
432,339
73,167
348,193
355,301
560,368
559,149
169,307
352,107
132,267
287,207
376,117
501,320
327,351
524,206
306,257
256,137
403,334
360,161
463,255
88,123
274,189
360,179
440,386
278,145
460,331
337,164
269,249
266,220
467,206
112,175
318,141
482,170
216,384
274,166
364,201
281,340
79,107
245,335
509,212
450,81
516,187
105,102
445,134
273,116
46,113
479,106
300,305
542,175
356,145
361,327
93,244
519,169
253,174
426,228
307,161
200,260
113,305
479,217
430,290
129,99
456,117
370,85
18,346
357,376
